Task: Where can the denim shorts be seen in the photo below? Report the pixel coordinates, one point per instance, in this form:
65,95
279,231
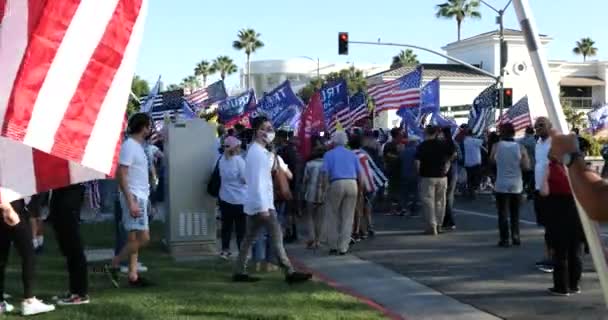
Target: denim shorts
131,223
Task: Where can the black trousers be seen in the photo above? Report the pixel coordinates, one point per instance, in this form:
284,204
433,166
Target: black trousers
65,217
508,205
21,236
566,238
473,179
233,217
448,220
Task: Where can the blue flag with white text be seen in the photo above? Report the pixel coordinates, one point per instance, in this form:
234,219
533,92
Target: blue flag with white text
280,105
334,96
231,110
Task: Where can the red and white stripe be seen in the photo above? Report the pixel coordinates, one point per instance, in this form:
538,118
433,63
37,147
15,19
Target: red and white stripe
388,96
197,97
67,67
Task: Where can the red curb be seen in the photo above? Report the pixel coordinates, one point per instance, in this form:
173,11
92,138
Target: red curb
347,290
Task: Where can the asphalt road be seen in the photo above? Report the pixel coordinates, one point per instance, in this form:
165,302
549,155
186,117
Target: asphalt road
467,265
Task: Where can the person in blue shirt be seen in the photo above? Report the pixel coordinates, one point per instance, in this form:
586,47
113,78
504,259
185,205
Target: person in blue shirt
409,177
341,166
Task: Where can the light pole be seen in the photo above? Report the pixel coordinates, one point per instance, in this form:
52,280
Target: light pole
502,53
318,64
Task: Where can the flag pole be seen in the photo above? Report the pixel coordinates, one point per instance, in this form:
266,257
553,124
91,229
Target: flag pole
556,114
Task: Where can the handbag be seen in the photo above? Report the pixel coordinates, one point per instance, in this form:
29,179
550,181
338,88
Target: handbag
282,192
215,182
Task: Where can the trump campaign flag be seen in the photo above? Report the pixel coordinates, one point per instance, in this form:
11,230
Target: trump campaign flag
67,67
280,105
234,109
334,96
311,122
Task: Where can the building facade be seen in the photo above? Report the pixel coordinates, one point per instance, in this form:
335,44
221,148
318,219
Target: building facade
583,84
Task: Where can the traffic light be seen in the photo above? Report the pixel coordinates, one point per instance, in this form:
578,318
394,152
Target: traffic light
507,97
343,43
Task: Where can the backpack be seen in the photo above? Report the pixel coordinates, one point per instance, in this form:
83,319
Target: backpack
215,182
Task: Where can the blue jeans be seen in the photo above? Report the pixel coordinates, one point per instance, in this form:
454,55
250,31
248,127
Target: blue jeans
409,196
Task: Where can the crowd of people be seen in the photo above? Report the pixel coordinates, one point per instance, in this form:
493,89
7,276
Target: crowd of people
266,187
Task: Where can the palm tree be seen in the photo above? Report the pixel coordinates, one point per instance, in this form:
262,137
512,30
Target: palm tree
585,48
191,82
249,41
204,69
404,58
225,66
459,9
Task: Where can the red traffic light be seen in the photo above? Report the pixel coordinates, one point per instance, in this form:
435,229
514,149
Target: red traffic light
508,92
343,43
344,37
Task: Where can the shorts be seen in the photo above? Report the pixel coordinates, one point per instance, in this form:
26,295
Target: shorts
131,223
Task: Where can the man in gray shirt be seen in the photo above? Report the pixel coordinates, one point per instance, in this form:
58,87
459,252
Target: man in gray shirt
529,143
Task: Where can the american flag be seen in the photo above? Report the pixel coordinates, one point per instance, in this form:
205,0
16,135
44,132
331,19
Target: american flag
394,94
373,177
165,103
202,98
518,115
340,117
67,67
349,115
481,115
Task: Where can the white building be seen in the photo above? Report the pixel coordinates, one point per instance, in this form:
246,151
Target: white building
268,74
583,84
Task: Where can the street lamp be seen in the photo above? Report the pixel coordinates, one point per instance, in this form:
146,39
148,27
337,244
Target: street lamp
313,60
502,51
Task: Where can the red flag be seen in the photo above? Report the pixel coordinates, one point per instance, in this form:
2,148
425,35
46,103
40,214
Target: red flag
311,122
67,67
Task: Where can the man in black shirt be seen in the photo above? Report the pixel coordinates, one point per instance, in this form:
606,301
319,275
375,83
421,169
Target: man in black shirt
433,158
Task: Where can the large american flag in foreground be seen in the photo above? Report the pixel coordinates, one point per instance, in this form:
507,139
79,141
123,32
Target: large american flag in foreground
66,67
394,94
518,115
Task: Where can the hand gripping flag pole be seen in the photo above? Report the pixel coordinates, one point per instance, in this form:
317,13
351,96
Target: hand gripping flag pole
556,114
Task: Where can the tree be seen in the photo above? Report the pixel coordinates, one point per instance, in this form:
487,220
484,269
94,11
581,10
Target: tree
404,58
139,88
204,69
585,47
355,81
574,118
249,41
459,9
191,82
173,86
225,66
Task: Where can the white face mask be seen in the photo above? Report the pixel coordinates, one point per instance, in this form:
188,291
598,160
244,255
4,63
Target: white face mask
269,137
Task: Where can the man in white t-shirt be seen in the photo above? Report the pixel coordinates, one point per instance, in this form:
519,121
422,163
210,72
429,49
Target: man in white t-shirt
134,182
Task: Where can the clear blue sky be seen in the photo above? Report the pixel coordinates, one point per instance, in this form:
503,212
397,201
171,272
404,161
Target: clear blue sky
180,33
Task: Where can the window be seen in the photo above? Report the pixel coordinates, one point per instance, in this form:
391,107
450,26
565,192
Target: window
576,92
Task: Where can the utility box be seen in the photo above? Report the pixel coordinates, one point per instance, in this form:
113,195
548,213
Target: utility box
190,212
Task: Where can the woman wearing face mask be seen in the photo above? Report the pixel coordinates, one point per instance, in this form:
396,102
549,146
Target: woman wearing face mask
232,194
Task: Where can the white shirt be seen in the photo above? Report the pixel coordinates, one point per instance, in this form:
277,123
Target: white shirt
472,151
541,156
133,156
260,192
232,172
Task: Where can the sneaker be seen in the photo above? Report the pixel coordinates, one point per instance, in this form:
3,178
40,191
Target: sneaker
224,255
140,283
561,293
297,277
140,268
6,296
112,274
35,306
62,296
371,233
73,300
6,307
575,290
546,268
244,278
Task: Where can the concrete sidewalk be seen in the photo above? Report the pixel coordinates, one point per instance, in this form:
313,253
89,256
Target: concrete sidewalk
393,292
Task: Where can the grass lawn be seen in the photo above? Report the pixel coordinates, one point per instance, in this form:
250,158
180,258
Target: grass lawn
198,290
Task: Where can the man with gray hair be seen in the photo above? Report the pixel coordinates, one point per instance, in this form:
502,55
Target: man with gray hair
341,167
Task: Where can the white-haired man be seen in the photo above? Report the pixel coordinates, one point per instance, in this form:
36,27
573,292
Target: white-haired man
342,169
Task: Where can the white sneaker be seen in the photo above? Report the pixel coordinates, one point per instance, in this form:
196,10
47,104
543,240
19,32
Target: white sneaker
6,307
140,268
35,306
6,296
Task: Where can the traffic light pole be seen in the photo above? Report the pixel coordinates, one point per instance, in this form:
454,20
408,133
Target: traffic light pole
458,61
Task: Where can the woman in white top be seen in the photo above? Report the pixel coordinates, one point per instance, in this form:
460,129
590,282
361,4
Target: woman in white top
232,194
